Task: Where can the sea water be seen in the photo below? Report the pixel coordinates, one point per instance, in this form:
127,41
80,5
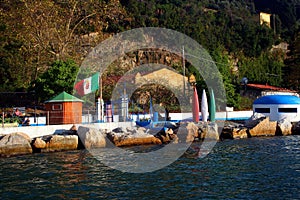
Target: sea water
255,168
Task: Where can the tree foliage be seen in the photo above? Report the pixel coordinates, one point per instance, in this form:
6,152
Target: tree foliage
37,36
58,78
292,70
266,69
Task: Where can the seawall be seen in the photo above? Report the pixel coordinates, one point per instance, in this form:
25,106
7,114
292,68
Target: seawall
38,131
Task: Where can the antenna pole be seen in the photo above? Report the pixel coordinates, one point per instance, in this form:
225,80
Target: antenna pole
183,65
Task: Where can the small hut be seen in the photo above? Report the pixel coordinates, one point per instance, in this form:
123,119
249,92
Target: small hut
64,109
278,107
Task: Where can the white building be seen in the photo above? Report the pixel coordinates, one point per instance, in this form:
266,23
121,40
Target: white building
278,107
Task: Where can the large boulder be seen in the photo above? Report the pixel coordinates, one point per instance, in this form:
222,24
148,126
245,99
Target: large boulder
192,132
212,132
39,143
15,144
132,136
254,119
202,131
172,135
296,128
61,143
262,127
167,135
91,137
239,133
137,141
234,133
284,127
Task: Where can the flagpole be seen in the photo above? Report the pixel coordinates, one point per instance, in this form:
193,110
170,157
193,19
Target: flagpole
183,65
101,100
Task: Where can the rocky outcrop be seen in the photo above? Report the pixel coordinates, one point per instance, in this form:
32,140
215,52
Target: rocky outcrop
15,144
239,133
61,143
91,137
254,120
261,127
54,143
192,132
232,130
167,135
201,131
209,131
39,143
296,128
132,136
284,127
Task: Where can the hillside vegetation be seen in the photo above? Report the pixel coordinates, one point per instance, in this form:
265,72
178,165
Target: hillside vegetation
39,35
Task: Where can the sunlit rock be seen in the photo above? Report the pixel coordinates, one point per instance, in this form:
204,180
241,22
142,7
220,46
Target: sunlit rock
131,136
239,133
15,144
91,137
212,132
284,127
192,132
39,143
61,143
262,127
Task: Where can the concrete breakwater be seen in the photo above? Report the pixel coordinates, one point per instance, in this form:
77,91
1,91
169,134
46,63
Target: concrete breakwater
97,136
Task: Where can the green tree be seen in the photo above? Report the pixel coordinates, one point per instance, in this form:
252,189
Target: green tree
13,74
292,71
222,60
58,78
266,69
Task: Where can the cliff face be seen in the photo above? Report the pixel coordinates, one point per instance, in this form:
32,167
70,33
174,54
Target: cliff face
150,56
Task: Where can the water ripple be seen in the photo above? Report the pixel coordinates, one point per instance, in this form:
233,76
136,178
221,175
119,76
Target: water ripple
256,168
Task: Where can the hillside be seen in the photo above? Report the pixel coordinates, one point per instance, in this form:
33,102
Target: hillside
34,35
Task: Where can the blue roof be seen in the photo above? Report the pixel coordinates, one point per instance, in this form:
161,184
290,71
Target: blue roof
277,99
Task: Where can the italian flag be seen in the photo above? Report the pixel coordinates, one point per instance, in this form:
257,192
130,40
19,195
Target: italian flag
87,85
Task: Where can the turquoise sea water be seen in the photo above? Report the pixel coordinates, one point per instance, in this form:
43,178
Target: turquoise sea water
255,168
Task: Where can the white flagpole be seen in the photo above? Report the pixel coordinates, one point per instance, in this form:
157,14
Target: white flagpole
101,101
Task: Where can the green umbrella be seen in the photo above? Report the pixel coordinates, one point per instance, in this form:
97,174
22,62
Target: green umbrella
212,108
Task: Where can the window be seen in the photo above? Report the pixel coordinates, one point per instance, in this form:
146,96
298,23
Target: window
287,110
56,107
262,110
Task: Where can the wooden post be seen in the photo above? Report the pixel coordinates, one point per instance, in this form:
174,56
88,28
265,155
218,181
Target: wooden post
48,117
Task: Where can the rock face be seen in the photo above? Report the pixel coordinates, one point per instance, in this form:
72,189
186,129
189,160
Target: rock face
192,132
202,131
239,133
54,143
131,137
284,127
39,143
61,143
296,128
15,144
91,137
210,132
261,127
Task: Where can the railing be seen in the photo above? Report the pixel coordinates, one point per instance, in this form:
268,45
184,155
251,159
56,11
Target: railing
111,114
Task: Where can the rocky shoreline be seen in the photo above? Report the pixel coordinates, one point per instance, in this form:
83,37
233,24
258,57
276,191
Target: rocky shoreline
89,137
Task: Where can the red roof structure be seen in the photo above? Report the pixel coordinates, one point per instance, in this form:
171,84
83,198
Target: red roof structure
268,87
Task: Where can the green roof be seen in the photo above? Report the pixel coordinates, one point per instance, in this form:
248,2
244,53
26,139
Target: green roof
64,97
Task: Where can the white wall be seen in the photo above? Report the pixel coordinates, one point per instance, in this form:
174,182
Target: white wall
276,116
38,131
226,115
